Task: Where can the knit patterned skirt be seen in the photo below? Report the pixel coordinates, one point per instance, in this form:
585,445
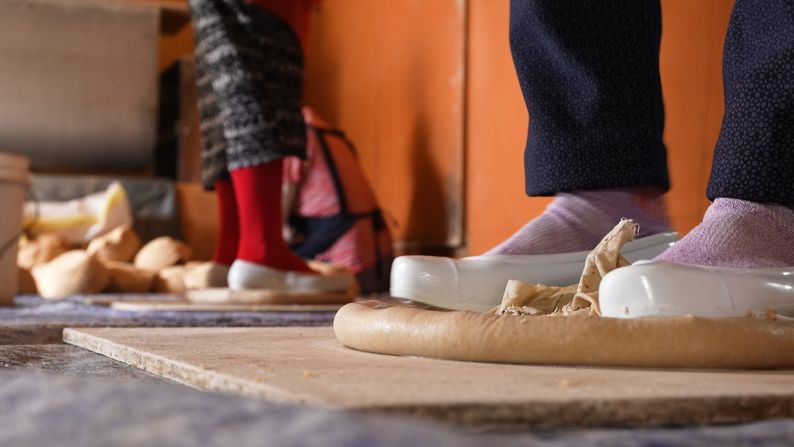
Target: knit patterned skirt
249,69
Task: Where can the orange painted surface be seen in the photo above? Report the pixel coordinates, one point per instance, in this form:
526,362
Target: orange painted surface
690,65
172,47
391,75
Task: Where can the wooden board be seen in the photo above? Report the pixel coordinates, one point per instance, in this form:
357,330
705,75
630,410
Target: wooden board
180,306
108,299
175,303
228,296
308,365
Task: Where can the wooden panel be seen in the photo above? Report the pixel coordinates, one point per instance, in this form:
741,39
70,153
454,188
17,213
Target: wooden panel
308,365
391,75
691,55
189,161
198,213
60,98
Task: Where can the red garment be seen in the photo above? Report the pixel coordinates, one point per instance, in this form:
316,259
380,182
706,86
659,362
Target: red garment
295,12
229,232
258,192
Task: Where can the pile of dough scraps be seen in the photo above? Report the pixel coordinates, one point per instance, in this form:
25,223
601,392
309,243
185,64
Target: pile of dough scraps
522,298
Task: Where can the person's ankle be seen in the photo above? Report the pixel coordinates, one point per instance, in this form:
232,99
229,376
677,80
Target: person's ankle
644,204
651,201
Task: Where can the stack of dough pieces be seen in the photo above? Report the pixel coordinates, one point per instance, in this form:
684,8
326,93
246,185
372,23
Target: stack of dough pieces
114,262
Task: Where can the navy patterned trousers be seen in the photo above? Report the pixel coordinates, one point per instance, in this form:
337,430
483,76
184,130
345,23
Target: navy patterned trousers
589,73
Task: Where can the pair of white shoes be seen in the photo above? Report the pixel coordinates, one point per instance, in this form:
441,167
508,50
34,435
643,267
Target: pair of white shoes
644,289
244,275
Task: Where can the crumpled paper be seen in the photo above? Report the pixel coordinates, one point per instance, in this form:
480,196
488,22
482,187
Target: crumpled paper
80,220
522,298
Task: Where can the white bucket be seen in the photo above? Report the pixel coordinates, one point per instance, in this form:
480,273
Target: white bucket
13,190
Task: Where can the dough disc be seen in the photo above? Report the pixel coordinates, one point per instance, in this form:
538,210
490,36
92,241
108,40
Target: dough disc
669,342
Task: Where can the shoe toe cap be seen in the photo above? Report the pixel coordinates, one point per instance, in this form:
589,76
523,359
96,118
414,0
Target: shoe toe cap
428,279
663,289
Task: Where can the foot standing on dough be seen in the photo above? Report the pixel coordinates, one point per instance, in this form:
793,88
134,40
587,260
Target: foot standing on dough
577,221
738,234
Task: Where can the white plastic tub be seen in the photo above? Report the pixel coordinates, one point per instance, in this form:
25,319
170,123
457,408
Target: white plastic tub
13,189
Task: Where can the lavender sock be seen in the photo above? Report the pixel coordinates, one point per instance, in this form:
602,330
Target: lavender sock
741,234
577,221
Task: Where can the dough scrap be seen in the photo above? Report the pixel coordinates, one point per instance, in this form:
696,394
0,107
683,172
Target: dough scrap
522,298
41,250
126,278
161,253
118,245
170,280
72,273
205,275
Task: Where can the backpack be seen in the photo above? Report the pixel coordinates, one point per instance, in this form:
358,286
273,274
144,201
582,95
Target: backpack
335,217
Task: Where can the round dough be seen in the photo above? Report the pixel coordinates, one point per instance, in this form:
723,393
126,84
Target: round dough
120,245
205,275
170,280
674,342
41,250
161,253
74,272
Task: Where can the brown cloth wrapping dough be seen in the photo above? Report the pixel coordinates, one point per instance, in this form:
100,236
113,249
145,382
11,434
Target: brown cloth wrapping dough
675,342
536,299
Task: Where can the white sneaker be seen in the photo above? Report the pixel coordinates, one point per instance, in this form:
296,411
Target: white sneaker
477,283
657,289
245,275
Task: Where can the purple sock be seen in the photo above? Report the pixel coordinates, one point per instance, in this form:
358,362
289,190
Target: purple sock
740,234
578,221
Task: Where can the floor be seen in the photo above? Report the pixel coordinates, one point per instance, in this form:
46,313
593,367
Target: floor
60,392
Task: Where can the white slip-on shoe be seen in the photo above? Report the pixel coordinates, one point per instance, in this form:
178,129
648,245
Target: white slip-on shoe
658,289
478,282
244,275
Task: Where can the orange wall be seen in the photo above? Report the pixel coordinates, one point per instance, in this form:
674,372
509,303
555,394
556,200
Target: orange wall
391,75
496,121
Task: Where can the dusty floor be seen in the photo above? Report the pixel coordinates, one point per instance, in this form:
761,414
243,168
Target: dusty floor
52,391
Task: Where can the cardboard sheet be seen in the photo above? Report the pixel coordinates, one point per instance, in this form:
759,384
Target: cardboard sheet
308,365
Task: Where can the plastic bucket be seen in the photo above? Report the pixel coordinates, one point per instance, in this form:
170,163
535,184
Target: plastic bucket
13,190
